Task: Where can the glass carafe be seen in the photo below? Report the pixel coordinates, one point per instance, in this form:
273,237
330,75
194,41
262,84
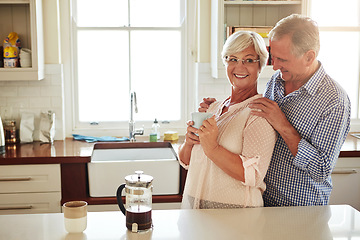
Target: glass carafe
138,195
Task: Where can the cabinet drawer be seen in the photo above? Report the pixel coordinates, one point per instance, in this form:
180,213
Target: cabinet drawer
30,178
346,187
23,203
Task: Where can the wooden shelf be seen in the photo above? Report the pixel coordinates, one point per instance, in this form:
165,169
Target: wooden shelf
241,13
25,18
14,1
262,2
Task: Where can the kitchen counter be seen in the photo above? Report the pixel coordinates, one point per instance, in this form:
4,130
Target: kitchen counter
314,222
73,151
66,151
73,156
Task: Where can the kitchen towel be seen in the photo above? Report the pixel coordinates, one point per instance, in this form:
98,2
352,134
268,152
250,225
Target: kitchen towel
99,139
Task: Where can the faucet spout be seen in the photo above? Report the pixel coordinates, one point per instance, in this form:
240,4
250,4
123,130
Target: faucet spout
133,108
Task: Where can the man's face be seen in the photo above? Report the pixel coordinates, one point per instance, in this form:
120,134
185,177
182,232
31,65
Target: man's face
292,68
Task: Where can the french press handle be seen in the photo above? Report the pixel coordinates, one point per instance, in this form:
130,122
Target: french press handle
119,198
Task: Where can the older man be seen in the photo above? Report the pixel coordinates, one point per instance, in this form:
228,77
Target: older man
310,112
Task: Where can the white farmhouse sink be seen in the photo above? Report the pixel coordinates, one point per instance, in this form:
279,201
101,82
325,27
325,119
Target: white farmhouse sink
112,162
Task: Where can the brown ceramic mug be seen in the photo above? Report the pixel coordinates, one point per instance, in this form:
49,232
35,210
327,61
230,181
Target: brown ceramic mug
75,216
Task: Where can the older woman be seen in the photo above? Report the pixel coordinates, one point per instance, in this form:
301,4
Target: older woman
228,158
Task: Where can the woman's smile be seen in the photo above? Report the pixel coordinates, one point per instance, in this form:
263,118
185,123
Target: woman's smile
242,76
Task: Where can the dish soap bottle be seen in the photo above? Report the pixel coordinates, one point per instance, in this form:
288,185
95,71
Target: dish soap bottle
156,128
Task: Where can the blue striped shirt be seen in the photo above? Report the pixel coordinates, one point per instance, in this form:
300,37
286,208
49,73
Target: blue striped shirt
320,112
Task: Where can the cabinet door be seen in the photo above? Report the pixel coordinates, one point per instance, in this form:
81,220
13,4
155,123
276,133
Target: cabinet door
22,203
346,182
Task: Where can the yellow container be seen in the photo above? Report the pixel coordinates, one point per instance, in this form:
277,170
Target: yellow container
171,136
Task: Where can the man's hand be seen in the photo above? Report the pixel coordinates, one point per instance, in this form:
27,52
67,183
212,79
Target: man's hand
204,105
270,110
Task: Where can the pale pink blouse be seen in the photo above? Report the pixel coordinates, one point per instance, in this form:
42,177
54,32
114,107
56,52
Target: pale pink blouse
253,138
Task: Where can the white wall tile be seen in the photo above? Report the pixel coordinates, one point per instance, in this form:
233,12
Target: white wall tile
40,102
8,91
51,91
29,91
56,102
35,97
210,87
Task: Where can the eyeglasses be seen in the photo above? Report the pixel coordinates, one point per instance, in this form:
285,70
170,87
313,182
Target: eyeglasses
246,62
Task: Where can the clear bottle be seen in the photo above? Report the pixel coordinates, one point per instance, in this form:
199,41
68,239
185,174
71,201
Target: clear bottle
156,128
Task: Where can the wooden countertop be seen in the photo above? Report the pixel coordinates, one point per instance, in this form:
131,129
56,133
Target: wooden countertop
67,151
63,151
73,151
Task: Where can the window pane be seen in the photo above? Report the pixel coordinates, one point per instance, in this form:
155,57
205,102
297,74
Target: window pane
104,13
336,12
341,61
155,13
103,76
156,73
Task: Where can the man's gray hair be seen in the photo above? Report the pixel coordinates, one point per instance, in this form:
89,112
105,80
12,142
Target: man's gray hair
303,30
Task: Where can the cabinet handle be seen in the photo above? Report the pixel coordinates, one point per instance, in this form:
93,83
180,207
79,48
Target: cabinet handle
16,208
10,179
350,171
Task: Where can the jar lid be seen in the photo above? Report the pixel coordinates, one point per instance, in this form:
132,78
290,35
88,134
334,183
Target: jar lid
139,179
10,122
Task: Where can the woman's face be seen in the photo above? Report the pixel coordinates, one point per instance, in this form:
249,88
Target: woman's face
243,69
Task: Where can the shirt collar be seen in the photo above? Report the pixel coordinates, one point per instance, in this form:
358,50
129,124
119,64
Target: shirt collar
312,85
314,82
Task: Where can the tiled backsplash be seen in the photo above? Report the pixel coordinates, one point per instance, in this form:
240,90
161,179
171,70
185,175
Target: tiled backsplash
208,86
35,97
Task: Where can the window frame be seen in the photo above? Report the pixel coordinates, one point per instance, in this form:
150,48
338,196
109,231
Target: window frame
355,122
188,85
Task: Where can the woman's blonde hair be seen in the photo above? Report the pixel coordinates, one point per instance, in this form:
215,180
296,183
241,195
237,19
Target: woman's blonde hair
239,41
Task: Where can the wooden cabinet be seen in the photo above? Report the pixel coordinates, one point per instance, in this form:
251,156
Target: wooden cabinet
346,182
30,188
25,18
244,14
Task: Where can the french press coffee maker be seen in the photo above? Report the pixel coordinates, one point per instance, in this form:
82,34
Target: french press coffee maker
138,190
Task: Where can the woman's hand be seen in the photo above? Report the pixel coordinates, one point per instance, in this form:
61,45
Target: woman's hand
190,140
190,137
208,133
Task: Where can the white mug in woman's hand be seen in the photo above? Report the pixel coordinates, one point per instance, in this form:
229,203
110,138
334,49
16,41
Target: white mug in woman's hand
199,117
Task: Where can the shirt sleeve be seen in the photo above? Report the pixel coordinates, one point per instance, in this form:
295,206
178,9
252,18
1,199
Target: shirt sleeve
258,144
185,166
318,155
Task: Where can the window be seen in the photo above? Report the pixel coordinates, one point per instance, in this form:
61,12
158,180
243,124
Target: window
339,24
120,46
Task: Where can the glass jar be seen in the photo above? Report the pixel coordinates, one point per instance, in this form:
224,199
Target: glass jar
10,131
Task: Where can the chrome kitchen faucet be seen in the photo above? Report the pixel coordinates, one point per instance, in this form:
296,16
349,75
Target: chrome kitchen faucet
132,131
